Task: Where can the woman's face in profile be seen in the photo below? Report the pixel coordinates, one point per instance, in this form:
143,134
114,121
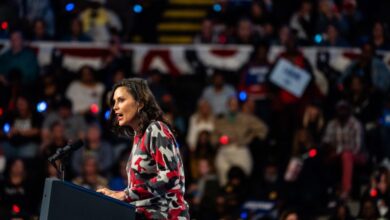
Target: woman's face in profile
124,107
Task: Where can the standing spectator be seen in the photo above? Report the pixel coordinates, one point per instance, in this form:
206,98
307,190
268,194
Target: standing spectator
21,58
233,133
344,136
201,120
76,32
218,94
254,79
99,22
86,92
116,58
57,140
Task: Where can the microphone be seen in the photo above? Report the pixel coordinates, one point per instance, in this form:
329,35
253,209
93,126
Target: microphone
61,152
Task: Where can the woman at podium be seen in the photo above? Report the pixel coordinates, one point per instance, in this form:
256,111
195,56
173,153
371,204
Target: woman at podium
154,168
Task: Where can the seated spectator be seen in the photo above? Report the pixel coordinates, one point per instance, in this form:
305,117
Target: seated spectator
373,70
203,192
289,215
76,32
233,194
56,140
333,38
313,121
31,10
74,124
201,120
233,133
90,177
39,31
85,92
204,149
24,133
15,191
343,135
21,58
327,15
97,21
119,180
368,210
218,94
380,37
302,22
244,33
116,58
207,34
341,212
95,146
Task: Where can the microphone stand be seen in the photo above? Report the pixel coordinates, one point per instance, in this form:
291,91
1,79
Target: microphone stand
62,165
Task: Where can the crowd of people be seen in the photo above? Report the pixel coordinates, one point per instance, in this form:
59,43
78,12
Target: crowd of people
267,154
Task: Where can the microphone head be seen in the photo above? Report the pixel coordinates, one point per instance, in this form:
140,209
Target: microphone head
76,145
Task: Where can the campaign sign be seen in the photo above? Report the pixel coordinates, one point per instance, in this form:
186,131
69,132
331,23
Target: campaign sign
289,77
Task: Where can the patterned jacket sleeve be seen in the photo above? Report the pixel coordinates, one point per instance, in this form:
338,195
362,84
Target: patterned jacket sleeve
159,142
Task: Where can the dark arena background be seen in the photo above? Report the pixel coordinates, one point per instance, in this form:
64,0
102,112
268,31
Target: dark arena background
281,108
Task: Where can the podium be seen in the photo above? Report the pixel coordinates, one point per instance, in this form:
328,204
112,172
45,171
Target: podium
63,201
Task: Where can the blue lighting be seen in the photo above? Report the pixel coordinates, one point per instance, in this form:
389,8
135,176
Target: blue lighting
244,215
41,107
217,7
137,8
318,38
107,115
6,128
243,96
69,7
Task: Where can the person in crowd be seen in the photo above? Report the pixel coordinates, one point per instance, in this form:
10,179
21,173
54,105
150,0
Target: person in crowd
201,120
99,22
207,33
218,94
39,31
76,33
302,22
86,93
380,37
344,136
21,58
90,175
95,146
232,134
24,133
74,124
333,38
373,70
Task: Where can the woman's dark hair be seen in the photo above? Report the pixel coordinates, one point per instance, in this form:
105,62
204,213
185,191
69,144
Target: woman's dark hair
151,111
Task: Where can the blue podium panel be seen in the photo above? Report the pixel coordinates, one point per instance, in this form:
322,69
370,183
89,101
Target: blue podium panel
65,201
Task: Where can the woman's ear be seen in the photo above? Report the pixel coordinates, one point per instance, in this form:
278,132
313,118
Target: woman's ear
140,106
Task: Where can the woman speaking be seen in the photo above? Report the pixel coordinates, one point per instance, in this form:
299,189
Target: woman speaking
154,169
